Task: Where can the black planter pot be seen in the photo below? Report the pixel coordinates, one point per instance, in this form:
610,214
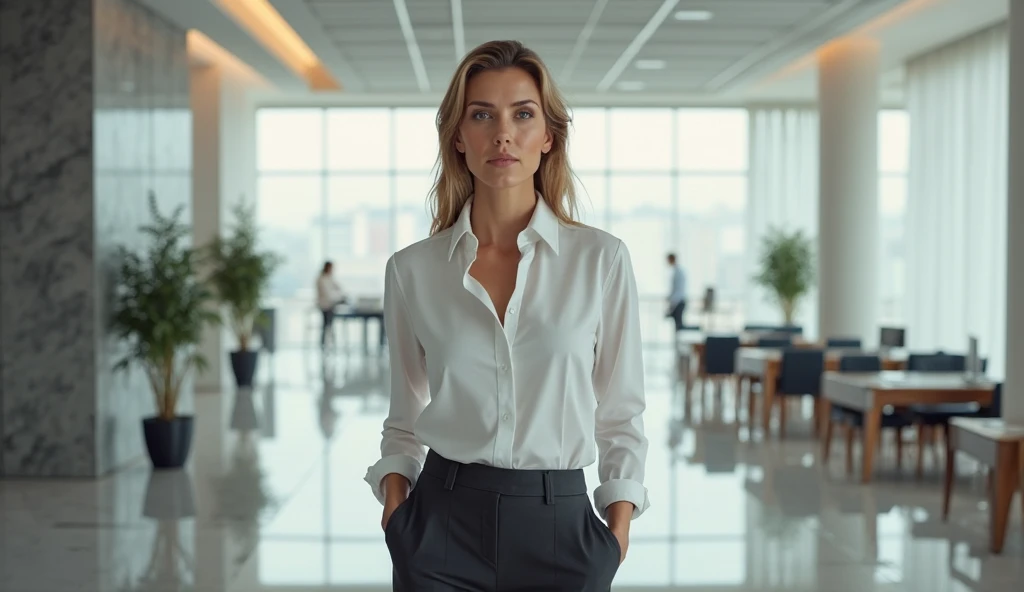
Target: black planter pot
243,364
168,442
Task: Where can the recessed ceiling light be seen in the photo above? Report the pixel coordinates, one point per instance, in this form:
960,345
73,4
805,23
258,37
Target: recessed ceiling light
650,64
694,15
630,85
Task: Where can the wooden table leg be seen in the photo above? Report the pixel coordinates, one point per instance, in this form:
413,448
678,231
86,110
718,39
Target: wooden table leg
751,417
826,446
825,410
768,403
1005,476
899,449
947,480
920,449
849,450
869,441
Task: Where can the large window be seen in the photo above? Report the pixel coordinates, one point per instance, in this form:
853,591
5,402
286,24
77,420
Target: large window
346,185
669,180
350,185
893,156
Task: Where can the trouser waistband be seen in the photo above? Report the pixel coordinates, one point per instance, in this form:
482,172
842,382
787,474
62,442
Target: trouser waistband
515,482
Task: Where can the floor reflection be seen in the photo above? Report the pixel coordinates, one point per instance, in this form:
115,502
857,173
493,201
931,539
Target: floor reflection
273,500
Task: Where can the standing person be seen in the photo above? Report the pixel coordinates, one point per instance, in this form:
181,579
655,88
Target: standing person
328,295
677,293
516,360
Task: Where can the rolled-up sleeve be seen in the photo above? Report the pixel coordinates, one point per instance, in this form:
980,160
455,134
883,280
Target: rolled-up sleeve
401,452
619,385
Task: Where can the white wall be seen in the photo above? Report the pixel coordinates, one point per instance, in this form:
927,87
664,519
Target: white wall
224,171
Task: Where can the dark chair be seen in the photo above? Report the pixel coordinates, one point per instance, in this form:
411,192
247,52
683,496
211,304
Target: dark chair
775,341
929,417
853,419
799,375
719,358
842,342
790,329
860,364
937,362
940,362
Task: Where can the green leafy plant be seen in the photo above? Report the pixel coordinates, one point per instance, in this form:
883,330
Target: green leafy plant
162,307
240,273
787,268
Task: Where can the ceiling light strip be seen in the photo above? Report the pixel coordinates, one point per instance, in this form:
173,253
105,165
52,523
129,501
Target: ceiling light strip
414,49
634,48
458,31
583,39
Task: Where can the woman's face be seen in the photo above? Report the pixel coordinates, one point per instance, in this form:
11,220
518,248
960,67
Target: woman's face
503,132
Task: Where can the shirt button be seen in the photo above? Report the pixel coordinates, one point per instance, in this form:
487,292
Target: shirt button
504,367
505,417
512,310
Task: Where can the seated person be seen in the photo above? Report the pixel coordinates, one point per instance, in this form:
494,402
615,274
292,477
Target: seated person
328,295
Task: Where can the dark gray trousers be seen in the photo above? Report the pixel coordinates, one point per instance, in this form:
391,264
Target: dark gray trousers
478,528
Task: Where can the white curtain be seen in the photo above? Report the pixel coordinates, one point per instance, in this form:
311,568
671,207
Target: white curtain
783,193
956,205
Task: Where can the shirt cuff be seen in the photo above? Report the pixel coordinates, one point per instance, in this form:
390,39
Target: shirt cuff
621,490
405,466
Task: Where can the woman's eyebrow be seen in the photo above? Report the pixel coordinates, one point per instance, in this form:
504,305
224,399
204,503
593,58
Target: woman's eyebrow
491,105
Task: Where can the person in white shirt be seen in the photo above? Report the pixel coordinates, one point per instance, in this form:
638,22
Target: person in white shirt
328,295
515,357
676,293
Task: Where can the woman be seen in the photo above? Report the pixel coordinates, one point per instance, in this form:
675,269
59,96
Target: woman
328,295
515,341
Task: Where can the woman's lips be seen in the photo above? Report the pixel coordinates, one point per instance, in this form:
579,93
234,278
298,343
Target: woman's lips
502,162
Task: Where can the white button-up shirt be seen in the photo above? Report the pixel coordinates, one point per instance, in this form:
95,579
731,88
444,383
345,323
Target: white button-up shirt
563,373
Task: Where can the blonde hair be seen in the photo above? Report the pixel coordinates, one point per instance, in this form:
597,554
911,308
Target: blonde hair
454,182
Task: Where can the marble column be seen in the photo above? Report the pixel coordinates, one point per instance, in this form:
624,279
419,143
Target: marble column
94,115
1013,399
848,198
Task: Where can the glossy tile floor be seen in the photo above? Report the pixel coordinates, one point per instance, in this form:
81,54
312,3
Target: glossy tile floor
273,500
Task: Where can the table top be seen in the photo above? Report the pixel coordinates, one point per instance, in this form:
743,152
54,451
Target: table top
347,311
991,429
774,353
903,381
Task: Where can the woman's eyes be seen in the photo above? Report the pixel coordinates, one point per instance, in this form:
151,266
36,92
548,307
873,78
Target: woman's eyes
483,115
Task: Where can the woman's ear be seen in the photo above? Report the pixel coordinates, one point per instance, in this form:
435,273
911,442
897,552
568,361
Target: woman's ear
547,142
459,145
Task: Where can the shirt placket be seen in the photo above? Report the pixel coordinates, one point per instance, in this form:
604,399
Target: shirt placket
504,340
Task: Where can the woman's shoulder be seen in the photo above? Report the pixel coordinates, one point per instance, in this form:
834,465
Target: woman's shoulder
421,254
585,238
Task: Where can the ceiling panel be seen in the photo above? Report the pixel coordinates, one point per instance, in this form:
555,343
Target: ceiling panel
368,34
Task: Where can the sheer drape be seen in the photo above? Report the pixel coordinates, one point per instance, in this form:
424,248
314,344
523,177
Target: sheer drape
784,194
956,208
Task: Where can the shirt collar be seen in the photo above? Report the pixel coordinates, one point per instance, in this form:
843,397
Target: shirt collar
543,226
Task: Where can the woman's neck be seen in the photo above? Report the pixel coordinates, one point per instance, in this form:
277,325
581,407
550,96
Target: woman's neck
498,216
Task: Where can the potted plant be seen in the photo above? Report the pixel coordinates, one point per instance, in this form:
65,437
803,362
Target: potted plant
787,269
239,274
160,311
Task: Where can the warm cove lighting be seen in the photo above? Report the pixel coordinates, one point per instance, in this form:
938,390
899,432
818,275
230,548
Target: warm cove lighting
207,51
267,26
